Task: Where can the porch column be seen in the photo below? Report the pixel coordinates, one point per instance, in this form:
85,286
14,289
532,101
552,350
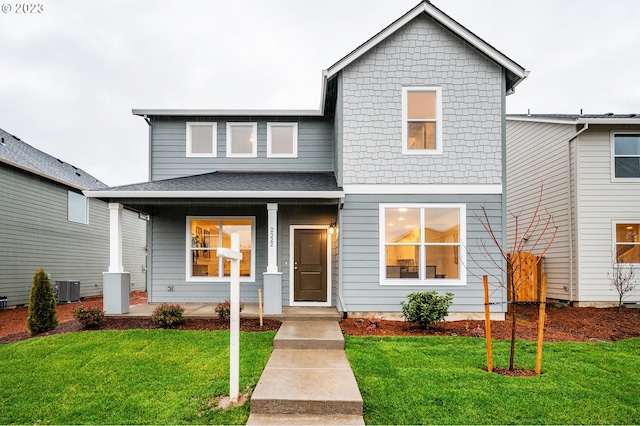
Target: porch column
272,278
116,282
272,265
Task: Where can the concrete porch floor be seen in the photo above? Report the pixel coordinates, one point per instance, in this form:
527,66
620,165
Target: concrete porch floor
251,310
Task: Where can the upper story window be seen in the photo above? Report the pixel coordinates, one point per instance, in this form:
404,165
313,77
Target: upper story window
242,140
626,155
421,120
627,243
77,208
282,140
422,244
201,139
206,234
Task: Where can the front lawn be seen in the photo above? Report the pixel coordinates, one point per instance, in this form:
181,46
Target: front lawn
439,380
126,377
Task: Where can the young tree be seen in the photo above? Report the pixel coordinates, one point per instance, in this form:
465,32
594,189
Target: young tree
623,279
42,305
539,233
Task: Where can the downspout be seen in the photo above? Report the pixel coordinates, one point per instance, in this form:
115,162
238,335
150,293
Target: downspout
340,262
149,271
570,210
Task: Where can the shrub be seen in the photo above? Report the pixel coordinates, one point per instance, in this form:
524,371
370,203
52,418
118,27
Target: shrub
426,308
42,305
224,309
168,316
88,317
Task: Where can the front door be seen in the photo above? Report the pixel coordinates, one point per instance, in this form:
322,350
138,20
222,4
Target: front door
310,265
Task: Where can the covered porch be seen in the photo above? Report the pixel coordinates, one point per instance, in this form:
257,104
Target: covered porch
290,249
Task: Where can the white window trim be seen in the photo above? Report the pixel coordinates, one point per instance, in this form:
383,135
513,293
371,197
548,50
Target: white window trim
612,136
254,152
214,139
614,239
292,228
439,143
294,153
462,250
86,208
188,260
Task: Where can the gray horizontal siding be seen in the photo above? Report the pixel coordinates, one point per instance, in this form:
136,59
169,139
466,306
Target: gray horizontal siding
35,233
360,254
168,150
537,154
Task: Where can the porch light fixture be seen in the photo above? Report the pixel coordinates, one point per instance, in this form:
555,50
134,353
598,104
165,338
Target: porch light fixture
332,227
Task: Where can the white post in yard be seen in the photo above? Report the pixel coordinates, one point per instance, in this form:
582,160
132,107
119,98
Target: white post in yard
235,256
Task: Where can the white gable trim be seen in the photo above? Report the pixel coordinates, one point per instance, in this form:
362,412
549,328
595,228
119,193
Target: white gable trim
445,20
412,189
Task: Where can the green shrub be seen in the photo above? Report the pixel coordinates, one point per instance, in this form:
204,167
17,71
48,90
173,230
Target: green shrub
42,305
426,308
168,316
224,309
88,317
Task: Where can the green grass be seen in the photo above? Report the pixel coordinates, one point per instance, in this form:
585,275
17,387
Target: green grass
126,377
439,380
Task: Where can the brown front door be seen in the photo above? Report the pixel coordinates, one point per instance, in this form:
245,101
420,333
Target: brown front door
310,265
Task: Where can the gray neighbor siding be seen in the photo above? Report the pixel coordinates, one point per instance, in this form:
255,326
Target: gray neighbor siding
36,234
538,155
168,150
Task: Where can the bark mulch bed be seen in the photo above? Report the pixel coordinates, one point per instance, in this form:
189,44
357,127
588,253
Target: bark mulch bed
562,324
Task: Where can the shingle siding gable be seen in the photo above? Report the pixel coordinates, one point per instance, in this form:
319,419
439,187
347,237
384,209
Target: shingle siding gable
422,53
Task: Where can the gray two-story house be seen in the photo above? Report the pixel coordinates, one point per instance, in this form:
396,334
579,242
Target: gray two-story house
353,205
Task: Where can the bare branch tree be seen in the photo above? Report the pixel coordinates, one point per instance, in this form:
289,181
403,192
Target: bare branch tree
539,232
623,279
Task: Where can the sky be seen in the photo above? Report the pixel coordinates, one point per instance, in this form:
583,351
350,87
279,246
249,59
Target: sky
72,71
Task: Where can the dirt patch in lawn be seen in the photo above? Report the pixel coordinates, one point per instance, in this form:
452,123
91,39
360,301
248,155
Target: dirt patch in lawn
562,324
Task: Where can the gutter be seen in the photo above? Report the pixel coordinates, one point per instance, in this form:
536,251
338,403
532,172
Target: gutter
570,221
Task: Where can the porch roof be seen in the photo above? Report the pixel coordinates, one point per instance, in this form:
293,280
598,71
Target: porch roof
231,185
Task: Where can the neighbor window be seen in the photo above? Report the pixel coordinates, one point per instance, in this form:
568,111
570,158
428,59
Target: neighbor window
421,120
201,139
626,155
627,242
282,140
422,244
77,207
206,234
242,140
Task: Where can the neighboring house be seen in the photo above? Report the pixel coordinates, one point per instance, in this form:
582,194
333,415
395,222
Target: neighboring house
46,222
354,205
590,168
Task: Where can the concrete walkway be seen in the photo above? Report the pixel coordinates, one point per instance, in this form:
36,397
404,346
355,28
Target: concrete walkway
308,379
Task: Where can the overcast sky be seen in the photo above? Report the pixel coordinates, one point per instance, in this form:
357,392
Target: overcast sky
70,75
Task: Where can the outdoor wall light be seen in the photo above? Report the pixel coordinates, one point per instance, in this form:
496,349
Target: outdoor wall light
332,227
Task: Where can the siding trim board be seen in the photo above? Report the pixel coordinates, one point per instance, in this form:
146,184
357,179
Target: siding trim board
434,189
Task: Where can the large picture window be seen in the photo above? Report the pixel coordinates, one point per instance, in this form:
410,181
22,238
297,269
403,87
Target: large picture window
422,244
627,243
626,155
421,120
206,234
201,139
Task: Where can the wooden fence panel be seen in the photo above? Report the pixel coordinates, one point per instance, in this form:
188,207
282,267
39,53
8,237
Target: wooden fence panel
526,276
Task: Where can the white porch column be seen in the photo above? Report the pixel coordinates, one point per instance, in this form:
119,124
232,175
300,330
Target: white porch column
272,278
272,265
115,238
116,283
